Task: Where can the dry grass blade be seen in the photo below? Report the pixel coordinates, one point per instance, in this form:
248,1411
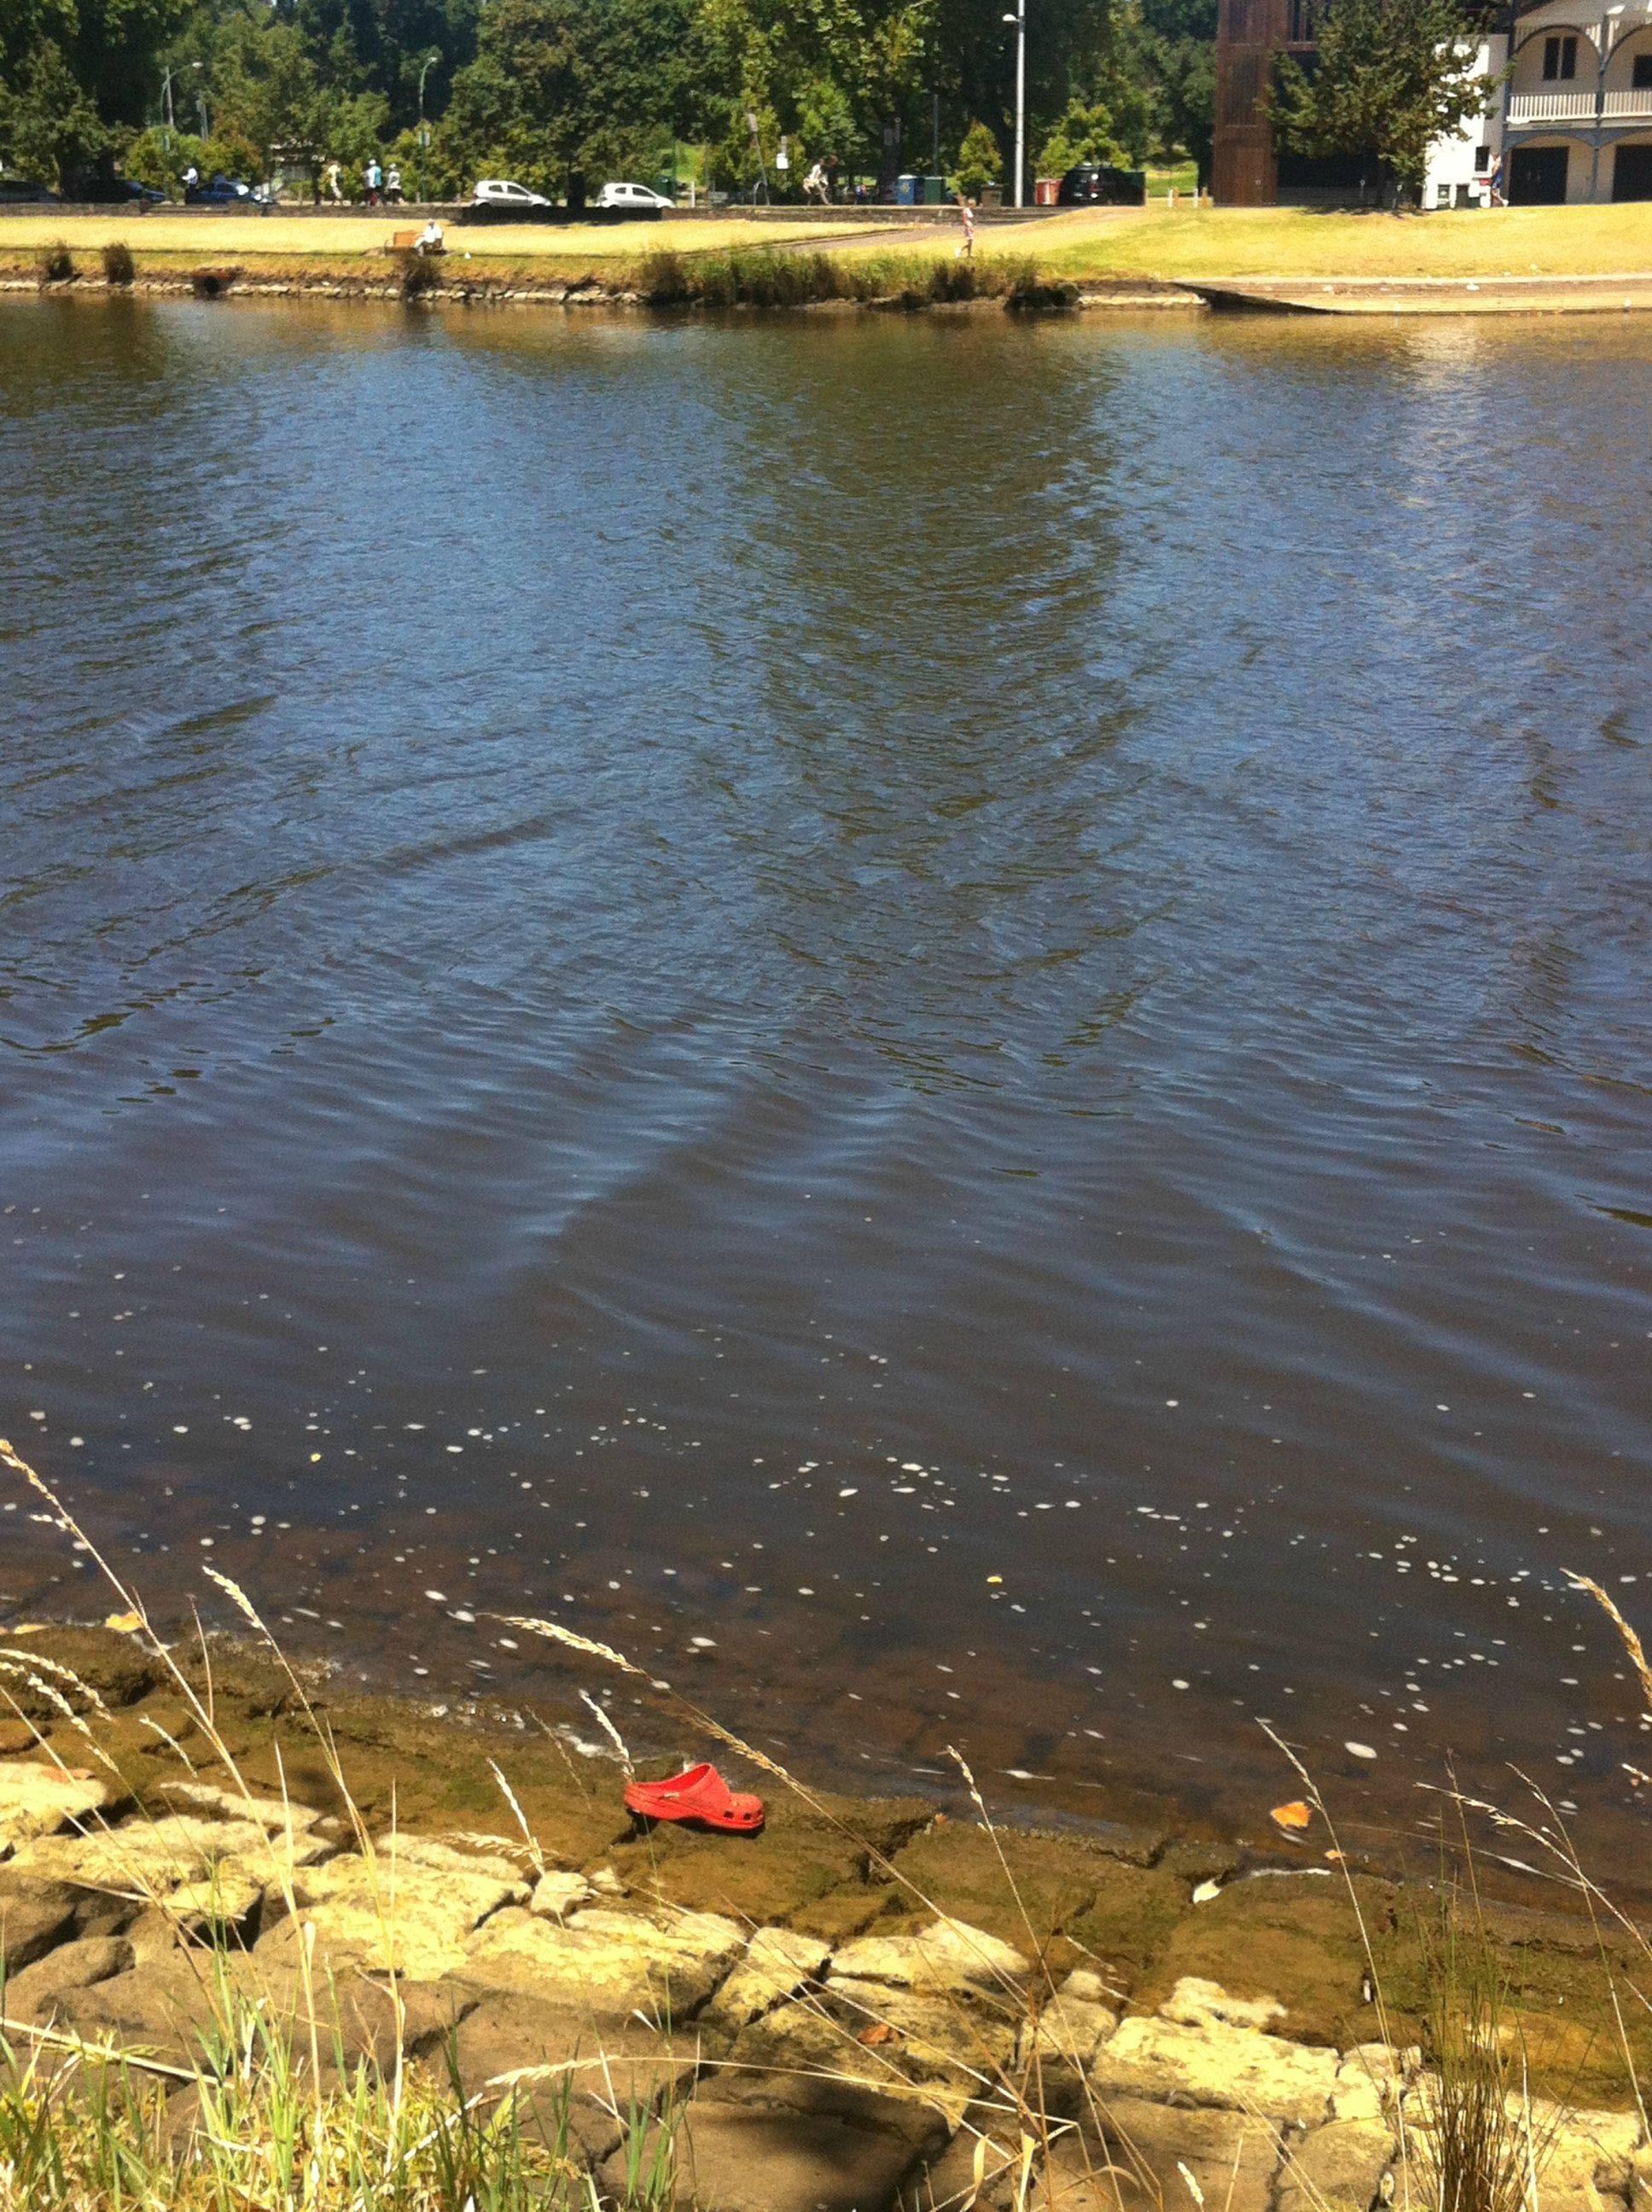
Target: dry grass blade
1631,1642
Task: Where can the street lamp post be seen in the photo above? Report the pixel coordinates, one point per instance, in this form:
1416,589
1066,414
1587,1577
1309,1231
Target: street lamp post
429,63
1019,19
166,102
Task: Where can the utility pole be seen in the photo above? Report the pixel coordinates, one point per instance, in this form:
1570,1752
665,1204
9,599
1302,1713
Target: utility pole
1019,19
430,63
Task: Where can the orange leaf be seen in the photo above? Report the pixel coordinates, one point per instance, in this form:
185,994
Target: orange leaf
879,2032
1296,1814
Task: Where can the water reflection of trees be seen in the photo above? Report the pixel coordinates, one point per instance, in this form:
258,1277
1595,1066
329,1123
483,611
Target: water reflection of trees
932,542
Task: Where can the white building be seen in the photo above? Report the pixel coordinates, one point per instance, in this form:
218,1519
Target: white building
1576,119
1460,168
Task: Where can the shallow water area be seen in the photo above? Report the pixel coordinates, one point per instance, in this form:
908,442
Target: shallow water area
945,1023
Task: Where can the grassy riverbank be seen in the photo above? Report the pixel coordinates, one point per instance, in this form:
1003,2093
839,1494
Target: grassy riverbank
1156,244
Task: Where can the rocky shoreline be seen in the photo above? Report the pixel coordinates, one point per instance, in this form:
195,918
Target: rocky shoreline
841,2007
589,291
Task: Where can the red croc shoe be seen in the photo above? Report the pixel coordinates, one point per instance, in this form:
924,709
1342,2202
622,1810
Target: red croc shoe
699,1795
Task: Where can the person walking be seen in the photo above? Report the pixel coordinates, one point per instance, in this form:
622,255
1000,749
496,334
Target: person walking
967,247
393,185
335,187
375,177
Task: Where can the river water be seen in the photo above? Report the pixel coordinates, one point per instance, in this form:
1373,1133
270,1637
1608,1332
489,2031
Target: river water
961,1007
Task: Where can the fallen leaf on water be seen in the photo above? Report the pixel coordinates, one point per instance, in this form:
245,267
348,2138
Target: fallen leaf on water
125,1622
1296,1814
1206,1892
1335,1857
27,1628
879,2032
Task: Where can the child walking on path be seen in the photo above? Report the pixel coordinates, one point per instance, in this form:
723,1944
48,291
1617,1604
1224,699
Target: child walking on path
967,250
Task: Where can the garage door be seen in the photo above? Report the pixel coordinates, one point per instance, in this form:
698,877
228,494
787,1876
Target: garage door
1631,173
1537,176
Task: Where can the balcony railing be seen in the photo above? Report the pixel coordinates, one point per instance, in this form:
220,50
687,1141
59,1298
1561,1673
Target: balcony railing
1578,107
1552,107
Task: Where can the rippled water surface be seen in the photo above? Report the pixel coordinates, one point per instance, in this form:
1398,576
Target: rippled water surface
965,1007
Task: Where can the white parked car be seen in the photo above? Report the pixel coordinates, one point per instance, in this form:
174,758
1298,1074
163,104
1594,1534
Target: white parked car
500,191
633,196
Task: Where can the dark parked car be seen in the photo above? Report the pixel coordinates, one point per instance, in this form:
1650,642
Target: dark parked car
123,190
1091,184
24,188
218,191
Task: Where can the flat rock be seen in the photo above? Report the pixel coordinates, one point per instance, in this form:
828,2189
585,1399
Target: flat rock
777,1964
730,2158
36,1993
1068,2033
1591,2158
935,2047
272,1815
512,2044
35,1914
607,1963
1147,2152
215,1869
1232,2068
948,1953
1370,2080
1338,2168
555,1894
1195,2002
40,1800
415,1902
161,2007
979,2170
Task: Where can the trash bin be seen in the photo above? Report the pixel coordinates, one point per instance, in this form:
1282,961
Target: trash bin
906,191
991,196
1047,191
934,190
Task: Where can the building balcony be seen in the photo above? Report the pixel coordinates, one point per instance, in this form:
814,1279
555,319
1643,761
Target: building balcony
1542,109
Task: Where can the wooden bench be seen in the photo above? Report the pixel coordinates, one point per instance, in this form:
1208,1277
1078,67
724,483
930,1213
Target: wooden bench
402,241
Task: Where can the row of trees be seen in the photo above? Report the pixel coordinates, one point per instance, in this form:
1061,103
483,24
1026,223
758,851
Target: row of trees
541,89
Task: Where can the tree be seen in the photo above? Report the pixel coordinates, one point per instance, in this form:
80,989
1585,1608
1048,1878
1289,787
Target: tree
50,128
1187,82
74,75
1084,134
1389,78
979,161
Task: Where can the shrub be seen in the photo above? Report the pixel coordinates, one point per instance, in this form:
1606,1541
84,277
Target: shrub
56,264
979,160
118,267
954,280
663,281
421,273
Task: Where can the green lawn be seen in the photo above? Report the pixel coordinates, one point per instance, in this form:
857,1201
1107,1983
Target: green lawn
1287,242
1174,244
